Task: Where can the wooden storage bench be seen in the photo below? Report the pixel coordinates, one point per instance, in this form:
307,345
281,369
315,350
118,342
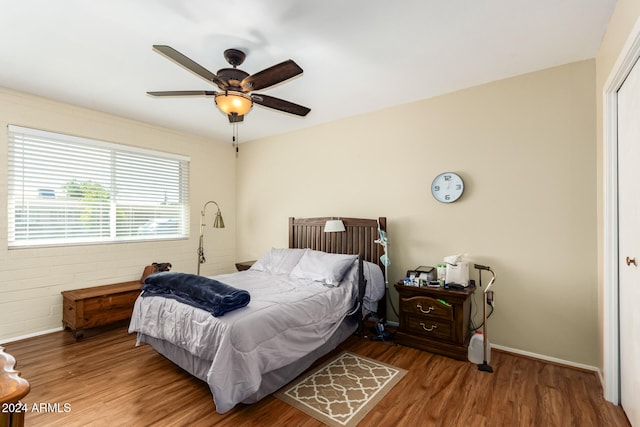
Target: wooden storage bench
98,306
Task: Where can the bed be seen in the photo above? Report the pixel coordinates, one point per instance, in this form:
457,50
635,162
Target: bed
305,300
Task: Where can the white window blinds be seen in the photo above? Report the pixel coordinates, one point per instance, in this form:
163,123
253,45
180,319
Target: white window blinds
70,190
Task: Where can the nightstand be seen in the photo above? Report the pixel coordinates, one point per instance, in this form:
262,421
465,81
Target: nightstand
244,265
435,319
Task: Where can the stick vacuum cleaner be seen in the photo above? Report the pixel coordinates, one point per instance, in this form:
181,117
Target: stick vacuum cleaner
487,299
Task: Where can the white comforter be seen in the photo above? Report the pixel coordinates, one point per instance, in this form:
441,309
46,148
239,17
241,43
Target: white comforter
286,319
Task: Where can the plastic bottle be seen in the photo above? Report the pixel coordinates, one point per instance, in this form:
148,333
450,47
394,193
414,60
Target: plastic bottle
441,271
475,352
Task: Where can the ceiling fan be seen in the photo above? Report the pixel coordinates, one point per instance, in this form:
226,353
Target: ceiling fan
234,98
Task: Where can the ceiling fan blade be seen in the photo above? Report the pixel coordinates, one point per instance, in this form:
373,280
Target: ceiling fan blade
271,76
190,65
235,118
280,104
184,93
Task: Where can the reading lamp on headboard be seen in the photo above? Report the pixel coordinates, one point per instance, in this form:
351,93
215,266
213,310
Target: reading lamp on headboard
334,226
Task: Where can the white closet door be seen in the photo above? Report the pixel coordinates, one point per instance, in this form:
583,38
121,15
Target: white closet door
629,243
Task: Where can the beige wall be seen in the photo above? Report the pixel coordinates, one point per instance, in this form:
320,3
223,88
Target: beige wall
31,279
625,16
526,148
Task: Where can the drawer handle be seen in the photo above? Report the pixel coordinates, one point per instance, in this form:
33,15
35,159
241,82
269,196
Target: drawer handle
428,329
431,308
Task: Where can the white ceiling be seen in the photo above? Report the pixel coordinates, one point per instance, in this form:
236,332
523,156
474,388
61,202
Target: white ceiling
357,55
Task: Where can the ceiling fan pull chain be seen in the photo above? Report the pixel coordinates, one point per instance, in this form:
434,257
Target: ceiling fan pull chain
235,137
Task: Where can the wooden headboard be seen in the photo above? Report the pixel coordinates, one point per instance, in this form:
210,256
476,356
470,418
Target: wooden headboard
359,237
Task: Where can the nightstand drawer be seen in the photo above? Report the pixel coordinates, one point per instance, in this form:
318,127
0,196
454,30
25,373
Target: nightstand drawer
425,306
430,327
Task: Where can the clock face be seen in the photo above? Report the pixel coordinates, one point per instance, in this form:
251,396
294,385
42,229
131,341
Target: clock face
447,187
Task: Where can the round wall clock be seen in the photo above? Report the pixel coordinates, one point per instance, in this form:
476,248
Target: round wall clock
447,187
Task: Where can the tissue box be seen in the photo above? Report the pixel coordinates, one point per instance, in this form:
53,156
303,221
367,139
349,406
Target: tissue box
458,273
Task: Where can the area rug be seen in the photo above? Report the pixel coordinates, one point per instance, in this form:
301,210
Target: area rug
342,391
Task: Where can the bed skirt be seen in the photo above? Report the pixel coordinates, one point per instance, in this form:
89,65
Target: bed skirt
271,381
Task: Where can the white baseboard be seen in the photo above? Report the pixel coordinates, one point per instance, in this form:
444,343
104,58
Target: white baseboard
537,356
35,334
547,358
601,378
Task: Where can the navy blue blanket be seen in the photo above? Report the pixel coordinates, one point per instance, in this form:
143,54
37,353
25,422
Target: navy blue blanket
208,294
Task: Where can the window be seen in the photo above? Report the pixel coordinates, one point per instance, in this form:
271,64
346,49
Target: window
68,190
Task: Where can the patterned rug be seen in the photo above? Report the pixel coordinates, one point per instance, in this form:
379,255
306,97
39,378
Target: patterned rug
343,391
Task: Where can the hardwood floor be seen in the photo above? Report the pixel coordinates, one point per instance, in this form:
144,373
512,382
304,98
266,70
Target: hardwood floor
104,380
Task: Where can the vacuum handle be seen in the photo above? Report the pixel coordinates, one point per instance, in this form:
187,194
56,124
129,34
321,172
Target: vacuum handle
493,279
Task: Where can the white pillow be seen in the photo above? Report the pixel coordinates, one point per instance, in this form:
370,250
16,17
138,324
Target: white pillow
278,260
323,267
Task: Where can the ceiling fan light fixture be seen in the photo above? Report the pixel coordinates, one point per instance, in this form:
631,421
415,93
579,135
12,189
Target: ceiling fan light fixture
230,102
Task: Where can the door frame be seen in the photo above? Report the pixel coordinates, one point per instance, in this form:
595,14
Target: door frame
611,314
